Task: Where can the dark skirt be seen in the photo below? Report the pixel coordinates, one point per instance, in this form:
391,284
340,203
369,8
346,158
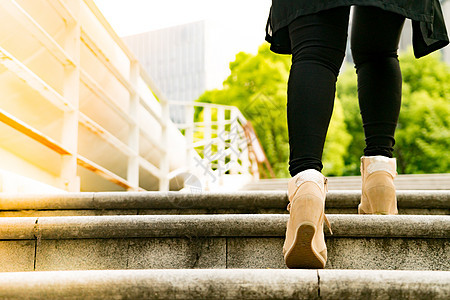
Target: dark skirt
428,26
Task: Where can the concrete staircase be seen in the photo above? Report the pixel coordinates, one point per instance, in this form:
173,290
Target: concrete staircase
217,246
402,182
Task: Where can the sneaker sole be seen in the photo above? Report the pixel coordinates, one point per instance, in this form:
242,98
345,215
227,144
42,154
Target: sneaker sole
302,255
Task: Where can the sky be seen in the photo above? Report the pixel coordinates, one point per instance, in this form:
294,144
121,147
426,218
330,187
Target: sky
239,23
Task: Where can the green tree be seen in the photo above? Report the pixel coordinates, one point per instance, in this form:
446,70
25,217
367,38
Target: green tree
337,142
347,93
258,87
423,131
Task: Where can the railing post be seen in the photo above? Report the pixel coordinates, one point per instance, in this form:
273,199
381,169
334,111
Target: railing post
207,123
164,163
189,135
221,141
71,92
233,141
244,156
207,149
133,134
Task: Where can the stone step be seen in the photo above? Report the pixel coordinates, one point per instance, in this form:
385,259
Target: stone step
216,241
226,284
247,202
402,182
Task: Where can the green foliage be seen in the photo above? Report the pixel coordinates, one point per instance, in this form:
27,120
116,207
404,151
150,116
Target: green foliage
337,142
347,92
258,87
423,131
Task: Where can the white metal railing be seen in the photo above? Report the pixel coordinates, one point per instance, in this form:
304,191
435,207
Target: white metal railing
220,141
86,32
93,95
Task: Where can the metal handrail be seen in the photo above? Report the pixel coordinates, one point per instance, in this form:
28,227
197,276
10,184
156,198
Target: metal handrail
223,146
234,148
60,102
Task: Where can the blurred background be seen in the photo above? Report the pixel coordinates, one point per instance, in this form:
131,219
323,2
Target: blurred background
113,95
214,51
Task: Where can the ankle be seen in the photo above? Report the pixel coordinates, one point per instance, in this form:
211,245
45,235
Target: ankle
371,164
308,181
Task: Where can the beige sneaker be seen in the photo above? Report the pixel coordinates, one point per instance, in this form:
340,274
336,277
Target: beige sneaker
304,246
378,190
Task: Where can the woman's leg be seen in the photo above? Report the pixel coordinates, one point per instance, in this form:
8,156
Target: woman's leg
318,44
374,43
318,47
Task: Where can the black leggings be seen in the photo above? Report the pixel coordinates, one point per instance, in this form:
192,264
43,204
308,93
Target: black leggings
318,44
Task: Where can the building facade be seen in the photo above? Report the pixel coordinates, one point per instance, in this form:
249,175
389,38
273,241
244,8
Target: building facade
176,60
